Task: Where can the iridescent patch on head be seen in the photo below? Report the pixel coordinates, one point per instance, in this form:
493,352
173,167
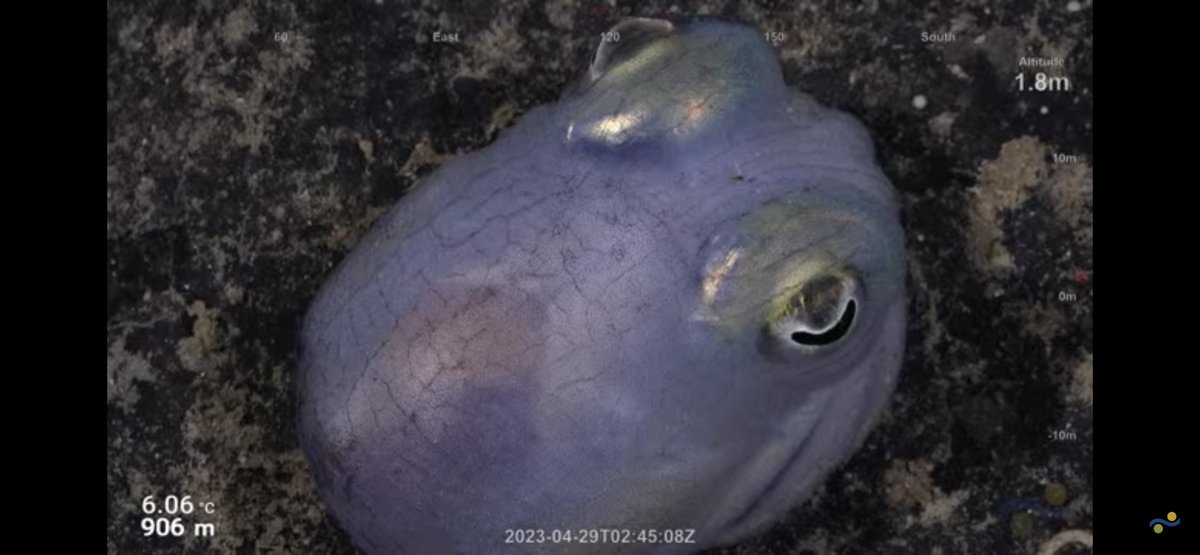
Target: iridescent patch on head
651,79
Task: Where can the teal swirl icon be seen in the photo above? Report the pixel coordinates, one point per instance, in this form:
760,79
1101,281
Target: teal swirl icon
1158,523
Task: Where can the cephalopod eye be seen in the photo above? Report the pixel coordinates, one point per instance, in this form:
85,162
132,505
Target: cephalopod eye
818,313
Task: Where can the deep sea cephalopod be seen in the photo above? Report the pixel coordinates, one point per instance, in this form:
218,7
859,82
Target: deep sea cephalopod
673,300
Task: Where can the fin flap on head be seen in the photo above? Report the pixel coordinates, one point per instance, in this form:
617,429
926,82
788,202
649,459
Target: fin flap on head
624,40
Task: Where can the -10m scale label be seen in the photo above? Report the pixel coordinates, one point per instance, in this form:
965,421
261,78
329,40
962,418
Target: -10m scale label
161,519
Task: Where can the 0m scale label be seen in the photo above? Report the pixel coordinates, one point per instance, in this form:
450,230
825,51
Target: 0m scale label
162,518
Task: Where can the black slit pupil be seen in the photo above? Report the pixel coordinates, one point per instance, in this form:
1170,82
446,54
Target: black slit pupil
832,334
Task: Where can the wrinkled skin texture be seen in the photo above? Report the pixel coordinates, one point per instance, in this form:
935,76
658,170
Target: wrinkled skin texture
672,300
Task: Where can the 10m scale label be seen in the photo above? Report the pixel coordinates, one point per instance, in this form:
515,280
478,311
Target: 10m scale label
161,517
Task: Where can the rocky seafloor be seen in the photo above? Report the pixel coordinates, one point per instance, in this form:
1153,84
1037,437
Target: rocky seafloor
250,143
